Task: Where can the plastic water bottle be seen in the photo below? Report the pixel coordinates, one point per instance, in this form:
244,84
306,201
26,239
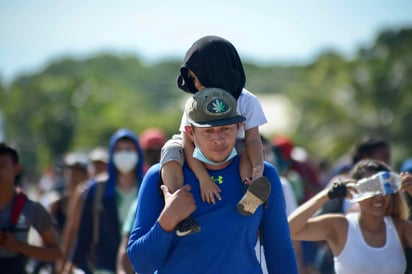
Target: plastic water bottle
381,183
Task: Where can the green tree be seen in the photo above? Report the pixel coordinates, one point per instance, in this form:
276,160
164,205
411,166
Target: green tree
75,104
78,103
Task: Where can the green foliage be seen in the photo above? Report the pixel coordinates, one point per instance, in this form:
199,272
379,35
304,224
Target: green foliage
370,95
78,104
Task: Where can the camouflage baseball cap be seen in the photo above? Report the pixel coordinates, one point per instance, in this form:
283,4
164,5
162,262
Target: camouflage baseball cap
212,107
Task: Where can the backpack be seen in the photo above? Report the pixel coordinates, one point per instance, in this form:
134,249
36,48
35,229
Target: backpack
18,204
15,264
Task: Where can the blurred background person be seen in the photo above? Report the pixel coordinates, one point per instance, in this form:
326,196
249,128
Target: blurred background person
46,191
75,177
371,240
296,166
105,207
407,167
97,169
367,147
291,204
99,158
151,142
63,209
18,214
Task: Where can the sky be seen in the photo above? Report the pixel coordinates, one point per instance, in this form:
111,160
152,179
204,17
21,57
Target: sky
36,32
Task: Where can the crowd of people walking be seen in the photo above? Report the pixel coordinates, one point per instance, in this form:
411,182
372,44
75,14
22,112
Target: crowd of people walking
216,198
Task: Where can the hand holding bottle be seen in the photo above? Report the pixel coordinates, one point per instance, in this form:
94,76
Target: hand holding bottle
381,183
407,182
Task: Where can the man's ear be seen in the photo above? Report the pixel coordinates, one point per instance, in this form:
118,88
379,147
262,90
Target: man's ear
189,131
238,127
18,169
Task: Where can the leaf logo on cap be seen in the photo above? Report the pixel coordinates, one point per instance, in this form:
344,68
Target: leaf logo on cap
217,106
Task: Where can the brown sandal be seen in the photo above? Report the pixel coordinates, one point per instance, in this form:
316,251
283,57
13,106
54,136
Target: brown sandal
257,193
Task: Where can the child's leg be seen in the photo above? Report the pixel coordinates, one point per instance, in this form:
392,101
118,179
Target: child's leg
247,171
258,186
245,164
245,168
172,175
257,193
171,160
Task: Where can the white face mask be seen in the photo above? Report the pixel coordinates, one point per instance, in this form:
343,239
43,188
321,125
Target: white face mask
198,154
125,161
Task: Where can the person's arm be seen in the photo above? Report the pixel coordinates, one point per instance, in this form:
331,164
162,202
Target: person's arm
156,218
49,252
83,240
254,149
178,206
172,160
300,227
209,190
123,265
327,227
250,107
71,226
274,229
407,183
42,221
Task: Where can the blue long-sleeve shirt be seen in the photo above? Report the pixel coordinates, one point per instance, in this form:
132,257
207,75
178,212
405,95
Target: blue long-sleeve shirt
227,240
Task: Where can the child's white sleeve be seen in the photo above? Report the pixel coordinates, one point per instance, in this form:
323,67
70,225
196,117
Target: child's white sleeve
249,106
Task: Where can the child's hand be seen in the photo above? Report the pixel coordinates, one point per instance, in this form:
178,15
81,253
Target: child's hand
209,190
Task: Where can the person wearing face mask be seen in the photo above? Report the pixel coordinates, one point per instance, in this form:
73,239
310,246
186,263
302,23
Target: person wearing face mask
213,62
106,203
226,243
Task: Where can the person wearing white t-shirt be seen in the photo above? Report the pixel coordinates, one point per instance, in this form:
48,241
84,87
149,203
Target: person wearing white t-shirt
369,241
213,62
